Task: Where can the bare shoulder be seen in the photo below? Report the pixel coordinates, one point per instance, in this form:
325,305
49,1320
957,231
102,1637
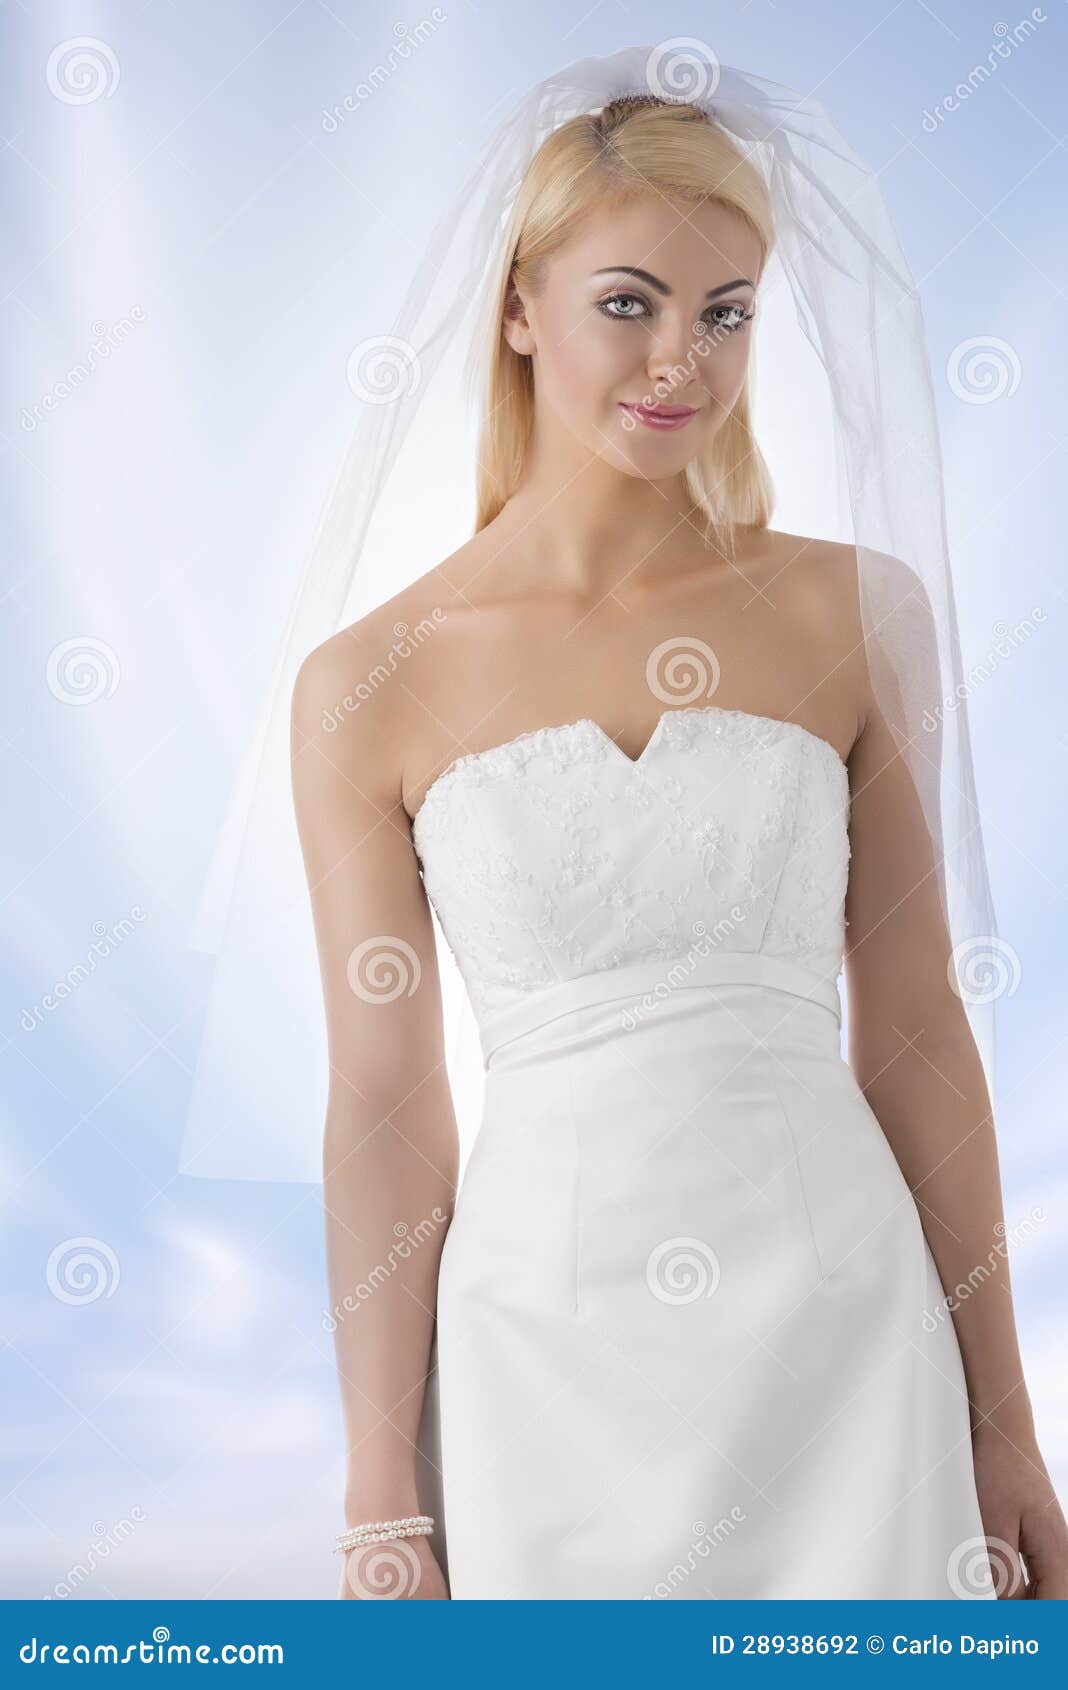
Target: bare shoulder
364,689
344,708
815,583
895,596
823,594
820,575
834,570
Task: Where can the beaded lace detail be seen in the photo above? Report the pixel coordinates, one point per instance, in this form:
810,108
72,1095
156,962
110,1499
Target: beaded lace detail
556,854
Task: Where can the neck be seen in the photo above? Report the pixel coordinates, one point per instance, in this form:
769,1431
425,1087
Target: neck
587,527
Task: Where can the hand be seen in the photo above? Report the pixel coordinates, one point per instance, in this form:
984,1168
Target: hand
1021,1516
403,1569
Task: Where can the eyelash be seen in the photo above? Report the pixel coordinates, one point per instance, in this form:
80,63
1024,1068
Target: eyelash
630,317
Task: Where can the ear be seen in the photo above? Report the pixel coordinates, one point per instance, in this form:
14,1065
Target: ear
517,330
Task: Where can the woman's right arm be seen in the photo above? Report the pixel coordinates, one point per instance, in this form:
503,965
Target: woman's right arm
390,1150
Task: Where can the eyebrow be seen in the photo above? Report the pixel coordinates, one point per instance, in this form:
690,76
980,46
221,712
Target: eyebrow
662,287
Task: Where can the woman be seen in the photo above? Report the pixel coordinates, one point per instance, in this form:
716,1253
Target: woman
692,1337
660,767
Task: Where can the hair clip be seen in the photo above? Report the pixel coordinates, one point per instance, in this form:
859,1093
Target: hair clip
649,97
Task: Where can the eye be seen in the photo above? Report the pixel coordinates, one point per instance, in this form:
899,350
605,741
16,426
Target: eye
622,299
630,307
727,318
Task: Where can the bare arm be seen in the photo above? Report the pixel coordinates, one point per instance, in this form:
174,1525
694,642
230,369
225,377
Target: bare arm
390,1142
913,1054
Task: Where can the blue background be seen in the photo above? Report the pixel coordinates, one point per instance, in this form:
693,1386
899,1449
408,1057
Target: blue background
176,1432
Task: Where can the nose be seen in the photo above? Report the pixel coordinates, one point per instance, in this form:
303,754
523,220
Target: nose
673,356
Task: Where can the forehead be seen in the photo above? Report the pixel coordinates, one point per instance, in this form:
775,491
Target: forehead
686,245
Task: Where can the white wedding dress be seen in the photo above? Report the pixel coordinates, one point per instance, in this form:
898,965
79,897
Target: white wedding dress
691,1340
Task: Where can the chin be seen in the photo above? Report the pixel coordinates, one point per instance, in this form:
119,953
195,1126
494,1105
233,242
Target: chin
654,458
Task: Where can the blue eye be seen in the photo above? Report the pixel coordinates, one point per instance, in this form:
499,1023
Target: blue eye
621,316
724,318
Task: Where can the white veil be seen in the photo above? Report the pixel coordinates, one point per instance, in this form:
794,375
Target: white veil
840,343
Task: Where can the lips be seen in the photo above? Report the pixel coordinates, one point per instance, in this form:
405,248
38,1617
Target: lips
660,416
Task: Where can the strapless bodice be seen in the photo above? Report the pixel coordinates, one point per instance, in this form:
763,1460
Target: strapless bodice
556,855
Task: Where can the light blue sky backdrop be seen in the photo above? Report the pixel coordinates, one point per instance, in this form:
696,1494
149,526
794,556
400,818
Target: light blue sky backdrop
206,250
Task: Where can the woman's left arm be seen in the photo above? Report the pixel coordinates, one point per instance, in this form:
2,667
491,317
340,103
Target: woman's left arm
913,1055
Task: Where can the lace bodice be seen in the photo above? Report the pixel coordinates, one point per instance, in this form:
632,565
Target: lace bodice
556,854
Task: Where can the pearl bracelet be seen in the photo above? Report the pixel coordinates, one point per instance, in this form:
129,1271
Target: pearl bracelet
384,1531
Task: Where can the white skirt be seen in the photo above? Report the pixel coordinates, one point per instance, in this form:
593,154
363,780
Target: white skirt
691,1340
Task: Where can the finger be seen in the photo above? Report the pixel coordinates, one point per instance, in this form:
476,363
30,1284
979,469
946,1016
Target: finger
1006,1569
1045,1551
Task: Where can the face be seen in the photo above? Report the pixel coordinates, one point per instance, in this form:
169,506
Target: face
640,335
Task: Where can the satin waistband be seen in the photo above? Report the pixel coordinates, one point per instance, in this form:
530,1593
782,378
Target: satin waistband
656,978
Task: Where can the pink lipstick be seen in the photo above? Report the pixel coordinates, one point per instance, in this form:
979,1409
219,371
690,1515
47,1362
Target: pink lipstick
661,416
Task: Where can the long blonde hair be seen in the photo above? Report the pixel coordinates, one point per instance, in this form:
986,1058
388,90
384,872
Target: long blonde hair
635,145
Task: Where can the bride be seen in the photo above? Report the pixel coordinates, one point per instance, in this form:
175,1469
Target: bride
689,1305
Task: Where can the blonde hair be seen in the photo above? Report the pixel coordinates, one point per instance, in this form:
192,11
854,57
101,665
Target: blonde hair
635,145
